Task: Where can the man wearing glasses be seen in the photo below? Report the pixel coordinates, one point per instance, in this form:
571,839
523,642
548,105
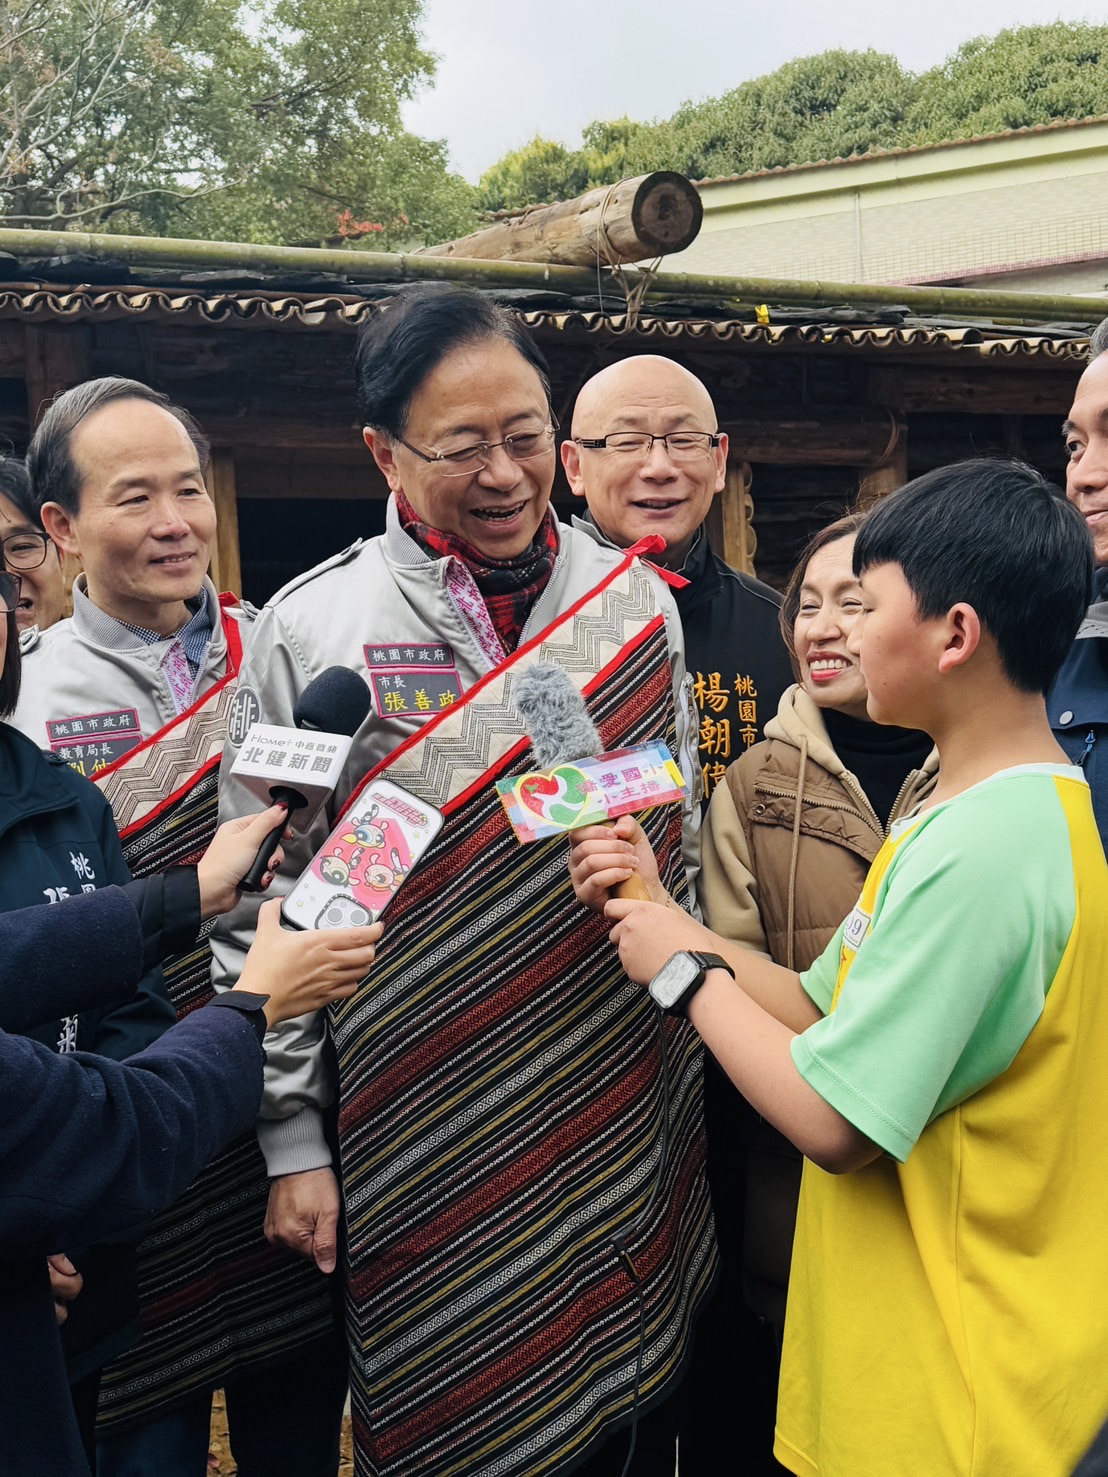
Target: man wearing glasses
514,1143
28,552
647,458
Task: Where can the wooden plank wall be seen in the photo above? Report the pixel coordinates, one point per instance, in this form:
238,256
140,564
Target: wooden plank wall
810,430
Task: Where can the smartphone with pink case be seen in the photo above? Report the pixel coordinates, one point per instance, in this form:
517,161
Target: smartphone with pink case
362,865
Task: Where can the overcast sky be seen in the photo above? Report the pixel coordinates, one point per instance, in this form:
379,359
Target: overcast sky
509,69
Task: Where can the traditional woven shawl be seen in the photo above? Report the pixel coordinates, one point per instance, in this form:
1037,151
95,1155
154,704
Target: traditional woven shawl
512,1184
216,1297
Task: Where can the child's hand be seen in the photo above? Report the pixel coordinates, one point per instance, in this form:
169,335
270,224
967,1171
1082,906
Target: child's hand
231,855
600,857
647,934
303,970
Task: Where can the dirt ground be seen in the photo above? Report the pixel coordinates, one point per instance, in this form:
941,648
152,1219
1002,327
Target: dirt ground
220,1463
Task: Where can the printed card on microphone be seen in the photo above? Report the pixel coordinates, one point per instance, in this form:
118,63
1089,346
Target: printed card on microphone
363,863
591,791
302,760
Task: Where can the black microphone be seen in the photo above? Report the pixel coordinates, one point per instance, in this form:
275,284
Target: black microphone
334,706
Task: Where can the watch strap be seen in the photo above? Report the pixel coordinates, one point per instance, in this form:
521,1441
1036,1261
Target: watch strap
711,961
705,962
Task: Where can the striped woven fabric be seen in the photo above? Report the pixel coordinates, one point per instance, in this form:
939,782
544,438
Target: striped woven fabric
216,1298
516,1151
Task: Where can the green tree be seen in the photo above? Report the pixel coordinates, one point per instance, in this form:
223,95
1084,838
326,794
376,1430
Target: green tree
819,107
268,121
1023,76
840,102
537,173
830,106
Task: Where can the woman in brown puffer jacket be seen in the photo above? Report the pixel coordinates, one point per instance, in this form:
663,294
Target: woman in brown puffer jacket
788,839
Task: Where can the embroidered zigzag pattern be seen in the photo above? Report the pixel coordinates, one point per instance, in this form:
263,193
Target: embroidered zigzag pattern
475,737
141,783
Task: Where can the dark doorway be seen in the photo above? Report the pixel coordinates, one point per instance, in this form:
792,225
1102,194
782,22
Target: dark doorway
280,538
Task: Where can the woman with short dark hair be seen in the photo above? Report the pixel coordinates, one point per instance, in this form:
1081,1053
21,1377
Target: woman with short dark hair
28,551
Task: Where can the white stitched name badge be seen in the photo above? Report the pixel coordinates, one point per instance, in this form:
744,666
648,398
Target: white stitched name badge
857,926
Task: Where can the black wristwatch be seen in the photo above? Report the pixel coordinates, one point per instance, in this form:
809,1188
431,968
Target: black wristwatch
681,976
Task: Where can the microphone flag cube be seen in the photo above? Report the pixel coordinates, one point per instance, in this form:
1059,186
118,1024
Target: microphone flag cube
590,791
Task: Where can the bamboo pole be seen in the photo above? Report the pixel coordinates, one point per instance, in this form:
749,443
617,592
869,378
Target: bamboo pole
166,252
647,216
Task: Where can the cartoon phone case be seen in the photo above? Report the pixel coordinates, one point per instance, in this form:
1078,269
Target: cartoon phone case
363,863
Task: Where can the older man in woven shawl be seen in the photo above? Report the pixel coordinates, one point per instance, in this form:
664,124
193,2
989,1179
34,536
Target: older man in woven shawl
135,690
528,1238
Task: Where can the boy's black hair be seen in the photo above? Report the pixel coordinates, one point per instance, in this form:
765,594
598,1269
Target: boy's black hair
1000,537
401,345
15,484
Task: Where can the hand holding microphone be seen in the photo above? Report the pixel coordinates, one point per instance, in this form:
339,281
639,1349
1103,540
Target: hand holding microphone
232,852
299,767
604,861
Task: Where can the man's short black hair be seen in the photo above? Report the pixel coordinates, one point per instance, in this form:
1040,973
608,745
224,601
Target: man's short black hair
53,472
999,536
15,485
399,347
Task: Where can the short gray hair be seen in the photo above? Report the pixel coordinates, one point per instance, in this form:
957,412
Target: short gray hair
1098,340
54,476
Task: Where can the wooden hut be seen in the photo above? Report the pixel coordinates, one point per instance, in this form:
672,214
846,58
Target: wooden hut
825,390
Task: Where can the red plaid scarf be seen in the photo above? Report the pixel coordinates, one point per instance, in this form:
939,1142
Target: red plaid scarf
509,587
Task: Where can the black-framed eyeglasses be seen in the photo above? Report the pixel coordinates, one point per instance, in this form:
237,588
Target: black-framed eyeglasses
681,446
24,550
11,587
521,446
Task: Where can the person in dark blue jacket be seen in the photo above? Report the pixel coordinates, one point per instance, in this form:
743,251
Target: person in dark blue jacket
90,1147
58,839
58,842
1077,703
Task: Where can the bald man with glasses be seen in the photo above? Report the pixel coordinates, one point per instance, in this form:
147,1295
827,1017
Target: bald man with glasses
647,456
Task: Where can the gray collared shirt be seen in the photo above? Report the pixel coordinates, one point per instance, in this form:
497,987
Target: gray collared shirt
115,635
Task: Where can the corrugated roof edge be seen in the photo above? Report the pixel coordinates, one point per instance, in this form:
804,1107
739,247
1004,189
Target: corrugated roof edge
1060,343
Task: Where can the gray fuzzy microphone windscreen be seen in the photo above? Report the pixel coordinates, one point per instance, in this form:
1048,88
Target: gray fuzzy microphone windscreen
555,716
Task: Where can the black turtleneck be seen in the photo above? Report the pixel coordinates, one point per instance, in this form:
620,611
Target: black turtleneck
878,756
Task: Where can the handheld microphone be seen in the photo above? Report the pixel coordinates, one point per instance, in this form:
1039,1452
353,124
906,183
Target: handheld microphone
561,732
301,766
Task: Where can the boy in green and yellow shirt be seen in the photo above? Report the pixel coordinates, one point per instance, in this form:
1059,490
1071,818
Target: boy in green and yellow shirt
943,1065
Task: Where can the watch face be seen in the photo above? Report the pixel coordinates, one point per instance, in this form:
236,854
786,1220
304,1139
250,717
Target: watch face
673,979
